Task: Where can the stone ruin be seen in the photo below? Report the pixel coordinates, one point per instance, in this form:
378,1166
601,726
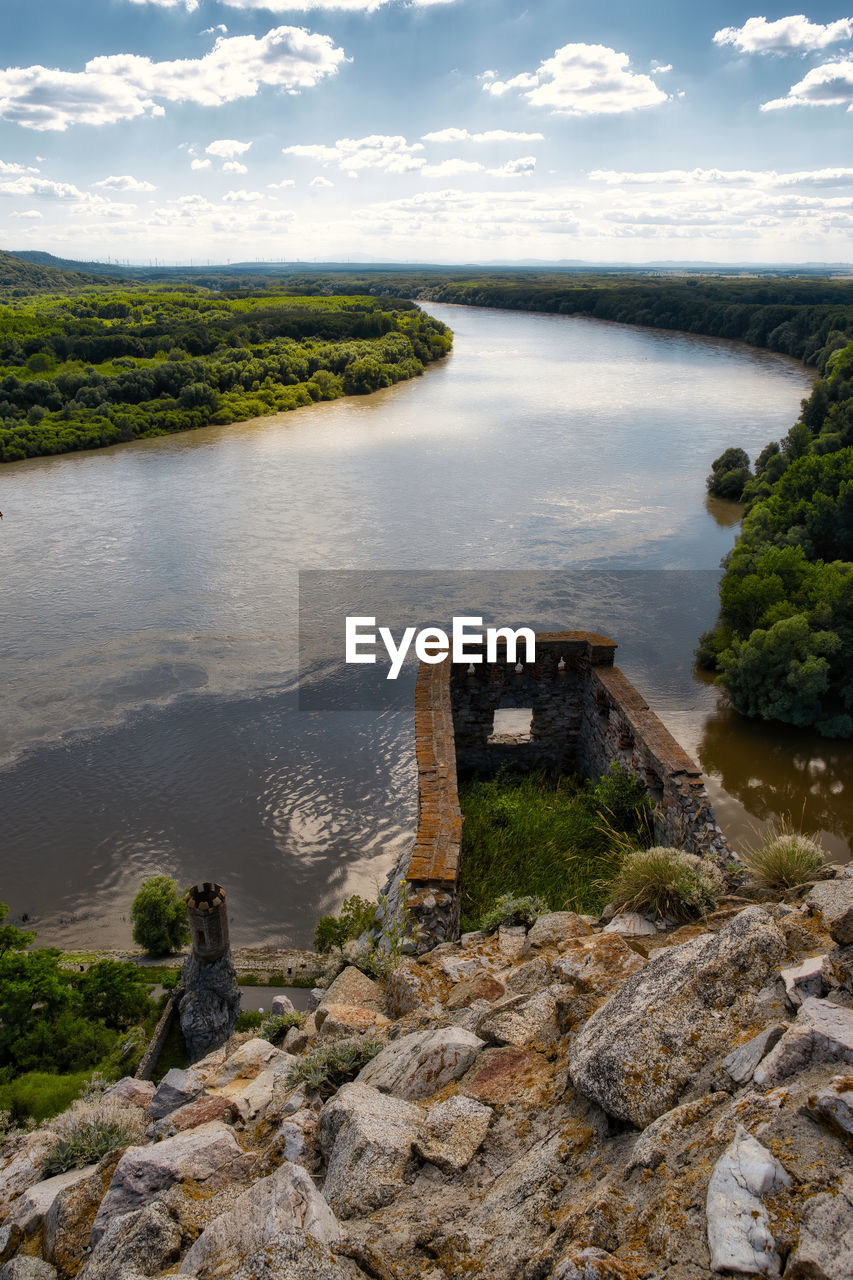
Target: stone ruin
584,715
211,1001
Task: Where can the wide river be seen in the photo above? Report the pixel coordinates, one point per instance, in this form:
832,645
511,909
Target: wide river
149,612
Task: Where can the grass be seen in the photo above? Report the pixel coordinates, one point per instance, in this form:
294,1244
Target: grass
663,882
785,858
38,1095
555,839
327,1068
89,1129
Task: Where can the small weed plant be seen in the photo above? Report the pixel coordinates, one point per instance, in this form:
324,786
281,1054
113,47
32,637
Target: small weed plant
276,1026
89,1129
327,1068
785,858
664,882
511,910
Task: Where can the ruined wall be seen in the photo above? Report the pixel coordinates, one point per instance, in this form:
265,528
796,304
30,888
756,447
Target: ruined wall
585,715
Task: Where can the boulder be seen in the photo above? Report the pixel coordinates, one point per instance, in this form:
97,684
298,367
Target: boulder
285,1201
740,1064
662,1138
296,1256
804,980
367,1137
246,1062
630,924
206,1154
639,1051
176,1089
143,1243
412,984
202,1111
825,1247
139,1092
282,1004
821,1032
597,966
21,1167
31,1209
343,1021
69,1220
419,1064
523,1020
591,1264
738,1223
834,900
484,986
24,1268
453,1132
351,989
834,1106
556,928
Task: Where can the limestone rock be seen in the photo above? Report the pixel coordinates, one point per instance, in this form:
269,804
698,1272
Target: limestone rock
822,1032
630,924
343,1021
69,1220
139,1092
740,1064
252,1057
591,1264
804,980
834,1106
413,984
143,1243
352,989
598,965
282,1004
419,1064
452,1133
208,1010
825,1247
24,1268
638,1052
202,1111
368,1139
287,1200
200,1155
176,1089
659,1139
834,900
738,1224
296,1256
522,1020
556,928
483,986
21,1167
31,1209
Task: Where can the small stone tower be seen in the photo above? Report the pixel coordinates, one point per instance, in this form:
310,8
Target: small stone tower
208,921
211,1000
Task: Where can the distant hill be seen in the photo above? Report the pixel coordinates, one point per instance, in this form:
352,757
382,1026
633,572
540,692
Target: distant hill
19,276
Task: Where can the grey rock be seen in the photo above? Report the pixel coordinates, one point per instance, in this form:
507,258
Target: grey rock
630,924
834,900
825,1247
209,1008
739,1234
350,989
591,1264
197,1155
638,1052
285,1201
522,1020
367,1137
22,1157
31,1209
24,1268
834,1106
556,928
282,1004
315,995
821,1032
139,1092
740,1064
663,1136
296,1256
453,1132
419,1064
143,1243
806,979
176,1089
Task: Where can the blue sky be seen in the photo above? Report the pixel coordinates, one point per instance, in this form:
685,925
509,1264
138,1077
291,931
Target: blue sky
426,130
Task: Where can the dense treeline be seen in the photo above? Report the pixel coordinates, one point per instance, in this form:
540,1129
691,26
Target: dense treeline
784,642
99,368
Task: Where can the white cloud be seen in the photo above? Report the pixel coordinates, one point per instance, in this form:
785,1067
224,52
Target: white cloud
27,186
124,86
189,5
377,151
211,31
448,168
293,6
243,197
227,148
724,177
28,213
490,135
234,166
523,167
582,80
830,85
201,164
15,168
320,182
278,186
124,182
787,35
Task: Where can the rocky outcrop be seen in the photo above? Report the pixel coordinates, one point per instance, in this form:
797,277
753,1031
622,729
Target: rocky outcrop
209,1007
739,1234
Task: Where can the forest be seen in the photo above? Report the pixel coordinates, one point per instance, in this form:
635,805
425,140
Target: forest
94,368
783,646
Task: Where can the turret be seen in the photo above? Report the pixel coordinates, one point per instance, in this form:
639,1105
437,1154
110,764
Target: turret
208,921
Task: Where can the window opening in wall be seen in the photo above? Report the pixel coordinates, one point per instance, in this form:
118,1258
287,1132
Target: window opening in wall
512,726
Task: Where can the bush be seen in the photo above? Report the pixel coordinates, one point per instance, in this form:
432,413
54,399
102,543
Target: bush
159,916
276,1026
115,992
354,918
510,910
785,858
89,1129
38,1095
326,1069
664,882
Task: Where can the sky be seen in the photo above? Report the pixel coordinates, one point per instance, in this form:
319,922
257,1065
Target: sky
451,131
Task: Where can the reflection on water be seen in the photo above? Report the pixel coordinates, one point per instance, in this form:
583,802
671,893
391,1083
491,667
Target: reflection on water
149,616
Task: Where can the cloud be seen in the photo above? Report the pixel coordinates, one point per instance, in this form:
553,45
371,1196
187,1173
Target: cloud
124,182
377,151
320,182
724,177
582,80
234,166
448,168
228,148
124,86
28,213
293,6
189,5
490,135
243,197
27,186
15,168
211,31
278,186
830,85
794,34
201,164
523,167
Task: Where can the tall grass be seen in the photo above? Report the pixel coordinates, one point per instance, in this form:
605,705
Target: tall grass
785,858
553,838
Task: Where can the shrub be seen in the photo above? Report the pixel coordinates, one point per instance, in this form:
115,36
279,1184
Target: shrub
511,910
276,1026
664,882
354,918
249,1020
89,1129
327,1068
159,916
785,858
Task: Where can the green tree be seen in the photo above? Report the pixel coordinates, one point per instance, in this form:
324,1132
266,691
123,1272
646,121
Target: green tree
114,992
729,474
159,916
12,939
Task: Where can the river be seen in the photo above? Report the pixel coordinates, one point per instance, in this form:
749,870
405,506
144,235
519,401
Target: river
149,615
